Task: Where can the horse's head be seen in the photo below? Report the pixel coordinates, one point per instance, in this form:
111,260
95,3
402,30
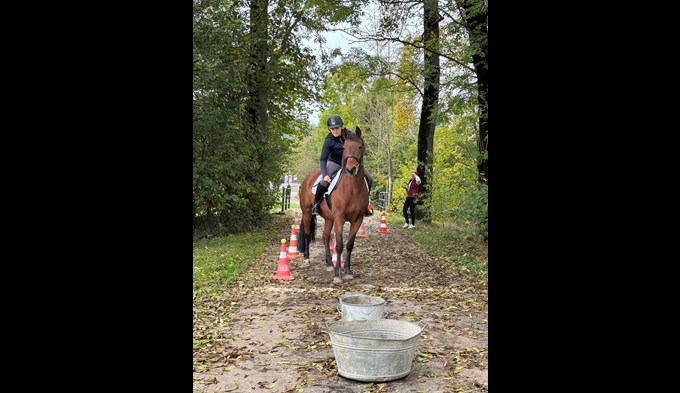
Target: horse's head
353,154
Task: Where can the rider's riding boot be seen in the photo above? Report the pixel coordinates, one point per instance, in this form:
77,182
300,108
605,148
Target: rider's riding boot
317,198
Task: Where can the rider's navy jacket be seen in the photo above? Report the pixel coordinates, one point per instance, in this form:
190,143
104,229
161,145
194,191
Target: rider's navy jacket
331,150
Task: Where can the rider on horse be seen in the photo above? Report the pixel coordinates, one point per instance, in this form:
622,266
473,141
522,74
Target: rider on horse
331,161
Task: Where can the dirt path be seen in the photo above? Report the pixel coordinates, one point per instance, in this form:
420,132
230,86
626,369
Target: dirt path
268,335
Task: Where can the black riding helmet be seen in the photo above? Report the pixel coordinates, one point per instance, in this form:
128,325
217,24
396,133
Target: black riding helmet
334,121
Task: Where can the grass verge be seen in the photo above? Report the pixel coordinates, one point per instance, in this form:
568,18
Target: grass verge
455,242
218,262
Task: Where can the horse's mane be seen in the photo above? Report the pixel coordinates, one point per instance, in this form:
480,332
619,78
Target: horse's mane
349,135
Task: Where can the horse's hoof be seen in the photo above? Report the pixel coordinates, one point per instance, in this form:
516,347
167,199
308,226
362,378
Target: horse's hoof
348,276
304,263
330,268
337,280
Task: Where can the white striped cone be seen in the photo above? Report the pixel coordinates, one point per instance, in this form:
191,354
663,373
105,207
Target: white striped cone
361,232
283,271
297,223
293,249
383,224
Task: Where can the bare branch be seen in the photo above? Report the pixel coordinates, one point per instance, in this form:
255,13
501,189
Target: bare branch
292,23
454,20
415,44
408,80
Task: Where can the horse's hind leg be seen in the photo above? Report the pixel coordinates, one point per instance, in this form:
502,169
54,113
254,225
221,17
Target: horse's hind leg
305,239
304,244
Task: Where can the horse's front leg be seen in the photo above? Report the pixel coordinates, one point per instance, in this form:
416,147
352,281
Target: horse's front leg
326,244
337,277
353,228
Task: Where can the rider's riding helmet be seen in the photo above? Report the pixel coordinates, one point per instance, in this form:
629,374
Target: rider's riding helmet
334,121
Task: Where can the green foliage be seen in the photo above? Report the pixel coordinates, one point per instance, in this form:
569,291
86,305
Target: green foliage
305,157
236,173
457,195
388,117
237,166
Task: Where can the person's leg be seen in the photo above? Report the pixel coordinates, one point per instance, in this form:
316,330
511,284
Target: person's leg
320,190
331,168
413,212
405,211
369,181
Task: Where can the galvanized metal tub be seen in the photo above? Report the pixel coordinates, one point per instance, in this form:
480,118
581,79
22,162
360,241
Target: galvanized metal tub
375,350
360,307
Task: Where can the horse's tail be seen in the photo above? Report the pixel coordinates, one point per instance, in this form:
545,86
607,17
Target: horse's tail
301,236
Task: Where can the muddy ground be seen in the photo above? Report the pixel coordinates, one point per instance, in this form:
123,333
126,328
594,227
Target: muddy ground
267,335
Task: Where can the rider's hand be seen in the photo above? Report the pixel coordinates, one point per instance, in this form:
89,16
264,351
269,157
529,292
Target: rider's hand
327,178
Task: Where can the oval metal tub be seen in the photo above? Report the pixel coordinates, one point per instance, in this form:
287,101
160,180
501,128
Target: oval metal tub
375,350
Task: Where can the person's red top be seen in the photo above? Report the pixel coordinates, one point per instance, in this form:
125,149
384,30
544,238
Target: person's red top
413,188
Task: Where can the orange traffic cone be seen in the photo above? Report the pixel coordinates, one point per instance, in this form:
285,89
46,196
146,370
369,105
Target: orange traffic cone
383,224
361,232
334,259
293,249
297,226
283,272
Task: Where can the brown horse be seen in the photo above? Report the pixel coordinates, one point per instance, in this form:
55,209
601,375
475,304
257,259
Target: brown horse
348,202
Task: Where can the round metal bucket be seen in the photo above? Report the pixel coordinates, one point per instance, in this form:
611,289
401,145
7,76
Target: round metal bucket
375,350
360,307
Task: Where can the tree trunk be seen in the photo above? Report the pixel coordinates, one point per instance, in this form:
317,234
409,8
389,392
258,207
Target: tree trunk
431,74
258,93
477,23
478,30
256,107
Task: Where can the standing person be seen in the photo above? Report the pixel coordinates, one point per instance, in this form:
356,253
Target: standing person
412,189
331,161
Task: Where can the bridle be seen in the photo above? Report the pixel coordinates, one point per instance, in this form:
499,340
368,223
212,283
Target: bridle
360,161
347,157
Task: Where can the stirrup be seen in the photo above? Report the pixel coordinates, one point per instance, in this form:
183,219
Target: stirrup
316,209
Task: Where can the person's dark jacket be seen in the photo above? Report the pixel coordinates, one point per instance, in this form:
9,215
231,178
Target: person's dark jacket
331,150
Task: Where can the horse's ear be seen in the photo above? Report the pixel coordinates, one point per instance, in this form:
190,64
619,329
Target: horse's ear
357,131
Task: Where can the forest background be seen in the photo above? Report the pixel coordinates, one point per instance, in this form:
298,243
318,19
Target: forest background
415,81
